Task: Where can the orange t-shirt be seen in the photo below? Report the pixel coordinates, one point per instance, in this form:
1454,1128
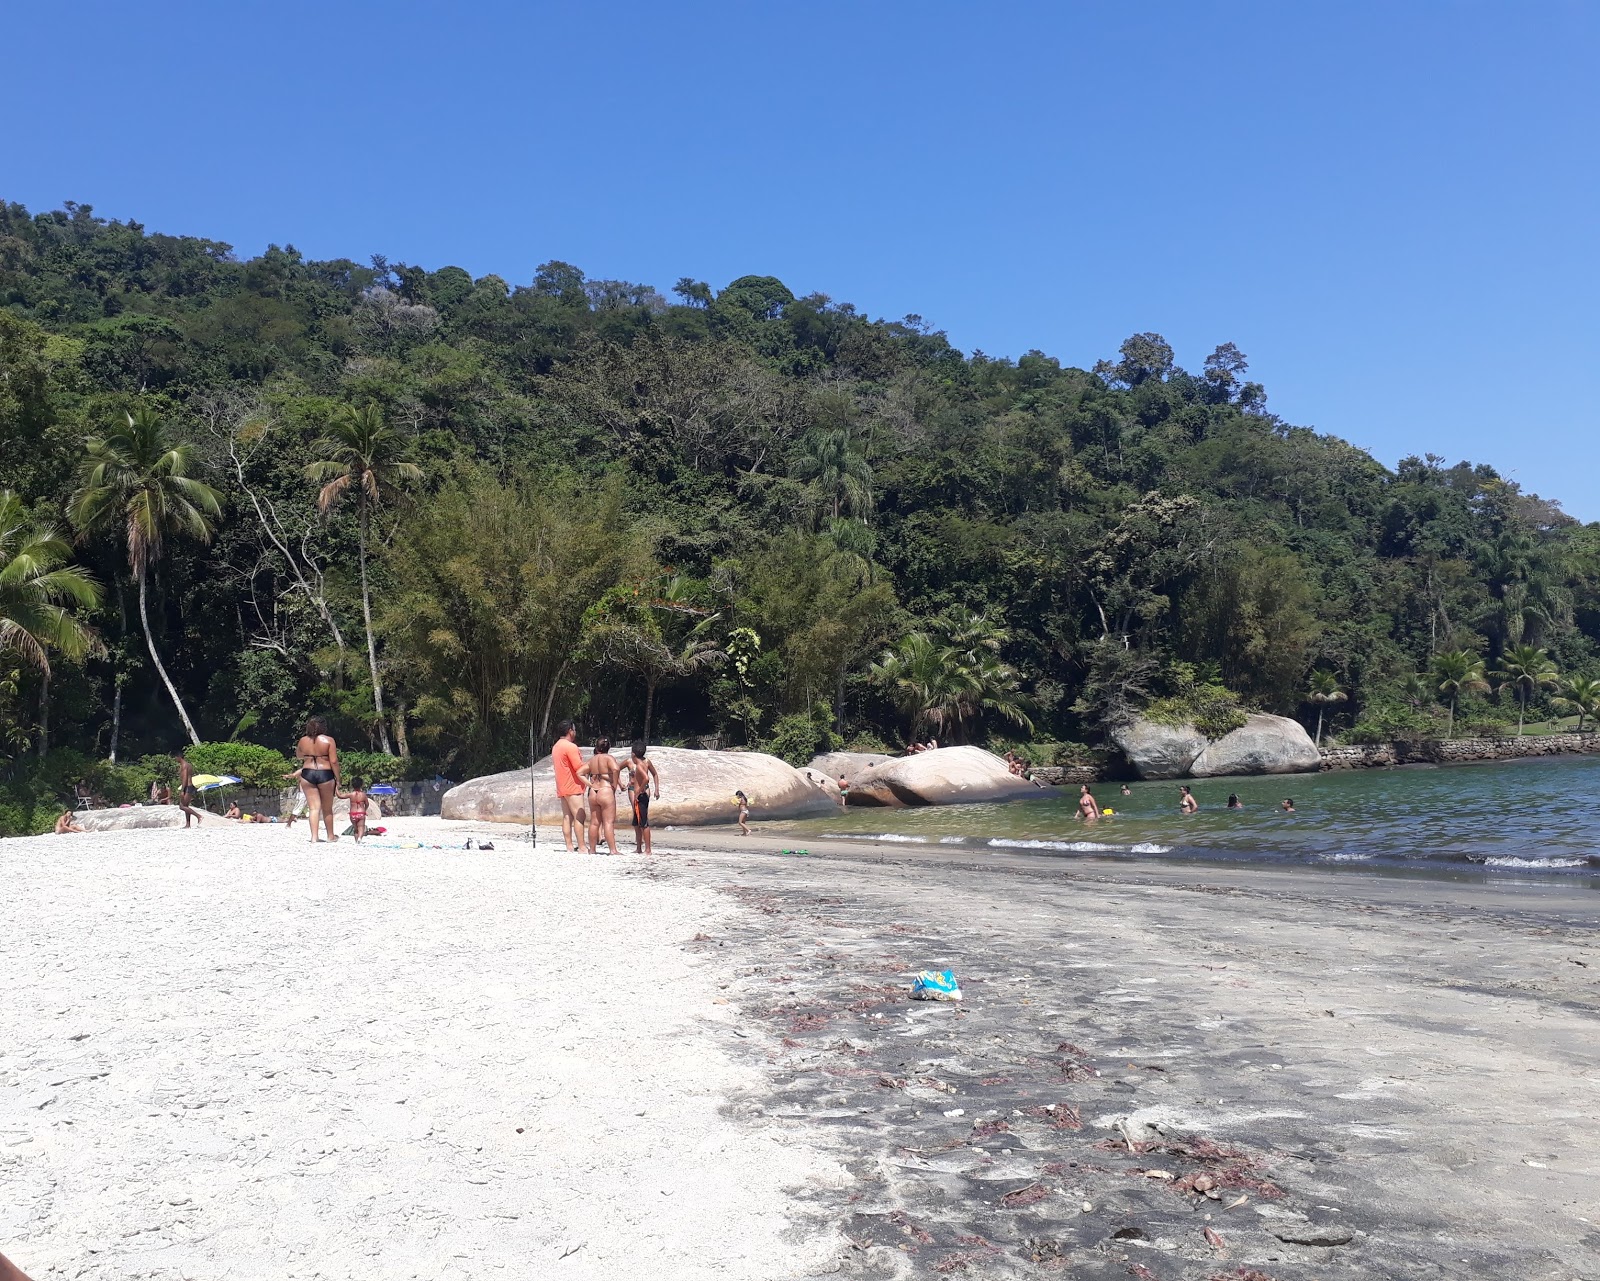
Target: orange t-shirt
567,760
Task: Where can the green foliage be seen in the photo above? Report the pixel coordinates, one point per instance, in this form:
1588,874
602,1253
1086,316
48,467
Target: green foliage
1389,722
800,736
826,489
1206,704
253,766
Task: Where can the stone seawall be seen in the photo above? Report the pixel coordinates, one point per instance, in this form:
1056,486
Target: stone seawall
1455,751
1060,775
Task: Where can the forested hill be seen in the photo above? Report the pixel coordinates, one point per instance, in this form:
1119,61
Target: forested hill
751,513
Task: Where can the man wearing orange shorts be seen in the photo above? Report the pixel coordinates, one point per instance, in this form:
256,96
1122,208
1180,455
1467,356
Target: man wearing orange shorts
570,785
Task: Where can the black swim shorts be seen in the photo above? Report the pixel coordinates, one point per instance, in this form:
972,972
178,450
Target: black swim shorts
641,809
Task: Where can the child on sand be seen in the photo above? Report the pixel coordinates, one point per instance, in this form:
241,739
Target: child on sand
297,807
743,802
358,807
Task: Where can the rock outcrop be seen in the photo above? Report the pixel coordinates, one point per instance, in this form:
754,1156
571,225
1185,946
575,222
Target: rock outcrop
1263,745
847,765
944,776
1159,751
138,817
696,789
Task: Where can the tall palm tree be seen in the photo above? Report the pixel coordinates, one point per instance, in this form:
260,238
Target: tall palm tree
365,456
1454,673
1528,669
36,586
1582,695
831,460
137,485
1323,691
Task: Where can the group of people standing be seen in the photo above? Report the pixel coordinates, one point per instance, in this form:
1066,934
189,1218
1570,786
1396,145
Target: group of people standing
588,791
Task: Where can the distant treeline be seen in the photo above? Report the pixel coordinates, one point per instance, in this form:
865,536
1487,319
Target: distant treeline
731,513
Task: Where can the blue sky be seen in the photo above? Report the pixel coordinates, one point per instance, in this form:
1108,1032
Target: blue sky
1391,207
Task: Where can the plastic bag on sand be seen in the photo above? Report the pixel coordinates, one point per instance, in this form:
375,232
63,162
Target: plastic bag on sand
935,985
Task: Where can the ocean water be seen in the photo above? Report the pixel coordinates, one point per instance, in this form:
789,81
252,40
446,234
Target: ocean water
1510,817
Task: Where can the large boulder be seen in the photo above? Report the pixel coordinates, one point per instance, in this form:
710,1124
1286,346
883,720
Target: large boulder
1159,751
847,765
1263,745
132,818
696,788
944,776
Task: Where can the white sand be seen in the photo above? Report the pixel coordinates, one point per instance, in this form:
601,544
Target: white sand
226,1055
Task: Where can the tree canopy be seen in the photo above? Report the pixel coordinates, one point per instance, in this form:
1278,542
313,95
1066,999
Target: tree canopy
718,509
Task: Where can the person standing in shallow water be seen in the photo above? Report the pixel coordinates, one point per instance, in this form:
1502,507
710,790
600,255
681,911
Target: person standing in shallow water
567,761
1186,801
1088,807
319,775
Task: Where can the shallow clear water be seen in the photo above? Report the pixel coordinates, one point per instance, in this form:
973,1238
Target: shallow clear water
1536,815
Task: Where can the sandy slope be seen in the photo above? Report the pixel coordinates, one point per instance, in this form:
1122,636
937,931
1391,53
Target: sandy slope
225,1055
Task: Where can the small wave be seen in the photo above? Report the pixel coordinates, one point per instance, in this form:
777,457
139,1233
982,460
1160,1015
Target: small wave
1346,858
1084,847
952,840
876,836
1511,860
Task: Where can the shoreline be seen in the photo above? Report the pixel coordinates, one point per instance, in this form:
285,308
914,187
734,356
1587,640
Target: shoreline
1363,1070
1393,755
1366,1069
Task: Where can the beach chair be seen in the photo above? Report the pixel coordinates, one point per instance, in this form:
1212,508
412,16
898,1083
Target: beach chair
82,796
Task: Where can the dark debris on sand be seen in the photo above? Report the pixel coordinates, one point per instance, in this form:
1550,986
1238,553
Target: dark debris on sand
976,1134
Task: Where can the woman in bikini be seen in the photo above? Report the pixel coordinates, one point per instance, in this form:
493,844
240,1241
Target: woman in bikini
319,776
605,776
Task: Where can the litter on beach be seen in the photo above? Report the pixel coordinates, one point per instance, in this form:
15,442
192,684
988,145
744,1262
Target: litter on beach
935,985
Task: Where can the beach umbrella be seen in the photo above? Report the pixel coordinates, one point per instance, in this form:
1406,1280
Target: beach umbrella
210,783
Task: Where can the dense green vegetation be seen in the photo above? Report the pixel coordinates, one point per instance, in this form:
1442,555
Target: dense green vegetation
449,511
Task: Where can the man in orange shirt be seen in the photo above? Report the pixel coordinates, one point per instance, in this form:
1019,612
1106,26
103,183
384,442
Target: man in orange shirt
570,785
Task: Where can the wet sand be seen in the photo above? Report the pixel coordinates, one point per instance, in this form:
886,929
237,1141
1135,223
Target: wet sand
1277,1072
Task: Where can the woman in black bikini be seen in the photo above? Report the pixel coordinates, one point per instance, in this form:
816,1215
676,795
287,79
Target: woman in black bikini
319,777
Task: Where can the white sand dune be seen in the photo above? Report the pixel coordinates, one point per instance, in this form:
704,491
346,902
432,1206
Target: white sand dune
228,1054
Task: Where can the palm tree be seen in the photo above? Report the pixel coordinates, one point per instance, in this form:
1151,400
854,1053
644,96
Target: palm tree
829,459
1454,673
1582,695
922,681
1323,691
137,485
1529,669
36,586
944,690
363,455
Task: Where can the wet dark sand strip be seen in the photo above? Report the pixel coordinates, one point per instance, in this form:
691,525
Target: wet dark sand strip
1351,1075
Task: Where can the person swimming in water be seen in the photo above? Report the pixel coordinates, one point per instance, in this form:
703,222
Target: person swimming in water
1234,803
1186,802
1288,805
1126,790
